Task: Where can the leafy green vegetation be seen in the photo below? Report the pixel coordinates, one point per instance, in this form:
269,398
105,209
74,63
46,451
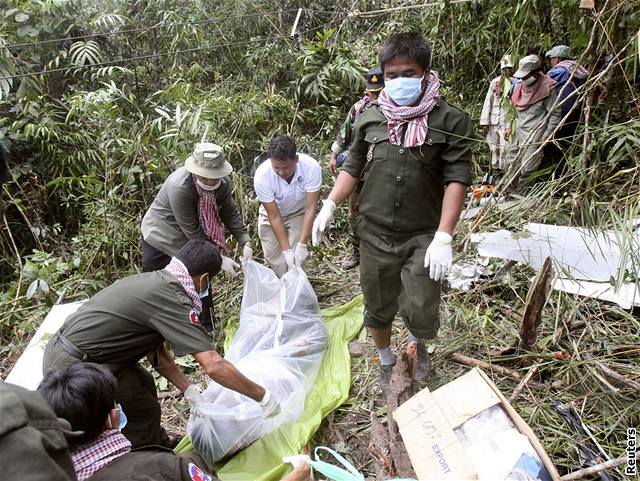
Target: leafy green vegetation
101,100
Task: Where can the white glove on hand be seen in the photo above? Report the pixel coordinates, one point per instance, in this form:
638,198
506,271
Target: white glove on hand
300,254
439,256
323,219
247,253
193,395
270,407
230,266
289,256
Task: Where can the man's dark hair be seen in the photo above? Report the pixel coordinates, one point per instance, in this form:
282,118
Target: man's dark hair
200,257
83,394
282,147
411,45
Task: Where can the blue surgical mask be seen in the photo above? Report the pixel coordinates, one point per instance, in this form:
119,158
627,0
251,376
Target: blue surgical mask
123,419
204,293
403,90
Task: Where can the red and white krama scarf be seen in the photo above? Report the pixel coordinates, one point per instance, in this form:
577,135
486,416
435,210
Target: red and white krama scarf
525,96
91,457
412,117
179,270
210,217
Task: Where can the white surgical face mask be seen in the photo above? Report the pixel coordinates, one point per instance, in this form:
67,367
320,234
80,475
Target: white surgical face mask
404,90
529,81
208,187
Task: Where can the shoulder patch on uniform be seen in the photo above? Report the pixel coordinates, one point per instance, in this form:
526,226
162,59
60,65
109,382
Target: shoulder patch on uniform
193,317
198,474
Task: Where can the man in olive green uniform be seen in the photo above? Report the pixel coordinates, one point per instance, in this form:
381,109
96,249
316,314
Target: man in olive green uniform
416,149
133,318
33,444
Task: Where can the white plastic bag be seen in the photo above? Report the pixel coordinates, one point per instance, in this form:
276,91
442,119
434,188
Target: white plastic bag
279,345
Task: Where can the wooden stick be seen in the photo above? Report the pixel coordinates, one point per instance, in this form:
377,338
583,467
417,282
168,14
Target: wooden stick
470,361
582,473
523,383
536,299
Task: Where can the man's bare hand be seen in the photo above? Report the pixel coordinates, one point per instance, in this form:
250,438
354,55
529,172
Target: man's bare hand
332,164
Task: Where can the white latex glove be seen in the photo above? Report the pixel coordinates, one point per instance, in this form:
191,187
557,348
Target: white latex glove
300,463
322,221
296,460
230,266
270,407
300,254
247,253
193,395
289,256
439,256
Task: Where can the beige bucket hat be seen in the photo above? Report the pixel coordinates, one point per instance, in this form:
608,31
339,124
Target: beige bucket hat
208,160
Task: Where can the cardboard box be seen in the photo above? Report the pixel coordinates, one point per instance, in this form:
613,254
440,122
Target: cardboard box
433,424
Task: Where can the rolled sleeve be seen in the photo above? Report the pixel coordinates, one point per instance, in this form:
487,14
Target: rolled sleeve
457,155
179,325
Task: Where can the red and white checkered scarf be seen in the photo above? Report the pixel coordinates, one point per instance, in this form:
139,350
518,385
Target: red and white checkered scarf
210,217
525,96
91,457
414,117
179,270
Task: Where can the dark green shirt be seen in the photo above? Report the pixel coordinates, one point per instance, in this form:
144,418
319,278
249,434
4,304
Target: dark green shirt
132,317
403,187
154,464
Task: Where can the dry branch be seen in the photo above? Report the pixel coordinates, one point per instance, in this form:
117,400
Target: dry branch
470,361
583,473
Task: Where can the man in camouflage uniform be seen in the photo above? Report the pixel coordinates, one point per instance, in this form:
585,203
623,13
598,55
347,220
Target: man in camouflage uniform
340,152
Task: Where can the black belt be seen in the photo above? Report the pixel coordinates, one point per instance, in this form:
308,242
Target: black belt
68,347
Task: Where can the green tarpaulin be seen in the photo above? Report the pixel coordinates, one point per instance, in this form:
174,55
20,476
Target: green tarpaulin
262,461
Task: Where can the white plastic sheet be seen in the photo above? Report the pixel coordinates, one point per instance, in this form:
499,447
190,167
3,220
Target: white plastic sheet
586,261
27,372
279,345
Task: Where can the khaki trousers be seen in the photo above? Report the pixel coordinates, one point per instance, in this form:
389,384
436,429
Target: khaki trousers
394,280
271,246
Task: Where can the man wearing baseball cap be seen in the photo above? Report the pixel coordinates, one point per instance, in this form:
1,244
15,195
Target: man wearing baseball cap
494,119
340,152
570,77
534,99
195,202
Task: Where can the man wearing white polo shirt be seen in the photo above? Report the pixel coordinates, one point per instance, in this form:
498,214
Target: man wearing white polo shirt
288,186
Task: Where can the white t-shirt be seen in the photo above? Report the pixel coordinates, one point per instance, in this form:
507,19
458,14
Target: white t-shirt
289,198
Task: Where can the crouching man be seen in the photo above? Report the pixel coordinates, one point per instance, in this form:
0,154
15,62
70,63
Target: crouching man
288,187
133,318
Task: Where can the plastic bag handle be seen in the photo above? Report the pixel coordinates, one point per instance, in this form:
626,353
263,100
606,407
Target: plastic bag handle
338,474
